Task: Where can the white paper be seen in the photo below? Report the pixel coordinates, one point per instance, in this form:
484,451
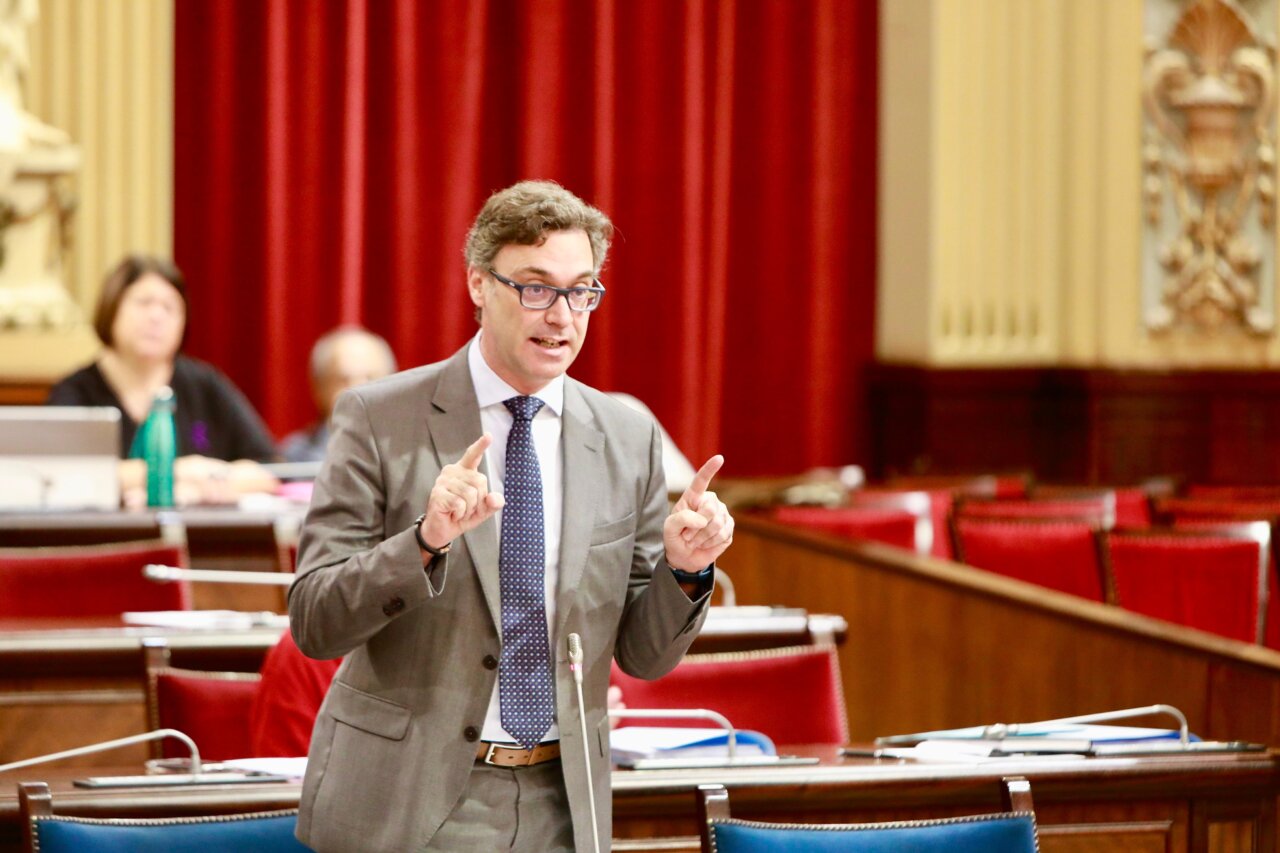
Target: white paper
294,768
207,620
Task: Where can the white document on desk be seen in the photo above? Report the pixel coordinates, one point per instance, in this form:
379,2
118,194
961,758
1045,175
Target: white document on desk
207,620
653,741
293,768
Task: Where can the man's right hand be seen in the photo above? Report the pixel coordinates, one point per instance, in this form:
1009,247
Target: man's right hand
460,498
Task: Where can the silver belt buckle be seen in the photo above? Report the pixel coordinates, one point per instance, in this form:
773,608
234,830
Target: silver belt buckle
488,756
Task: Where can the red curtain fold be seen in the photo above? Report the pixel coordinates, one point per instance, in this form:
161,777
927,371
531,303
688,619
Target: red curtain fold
330,155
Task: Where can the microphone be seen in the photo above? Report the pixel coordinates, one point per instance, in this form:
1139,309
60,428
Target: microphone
196,775
575,666
163,574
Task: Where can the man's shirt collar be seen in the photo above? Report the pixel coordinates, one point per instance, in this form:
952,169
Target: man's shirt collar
492,389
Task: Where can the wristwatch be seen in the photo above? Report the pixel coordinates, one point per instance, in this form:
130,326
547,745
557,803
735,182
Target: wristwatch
422,543
692,577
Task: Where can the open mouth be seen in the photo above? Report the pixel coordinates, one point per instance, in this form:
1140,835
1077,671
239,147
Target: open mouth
549,343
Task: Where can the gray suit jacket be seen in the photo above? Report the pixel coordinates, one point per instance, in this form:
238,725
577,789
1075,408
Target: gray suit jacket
393,745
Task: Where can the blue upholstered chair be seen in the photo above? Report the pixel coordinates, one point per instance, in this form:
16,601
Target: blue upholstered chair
260,832
1011,831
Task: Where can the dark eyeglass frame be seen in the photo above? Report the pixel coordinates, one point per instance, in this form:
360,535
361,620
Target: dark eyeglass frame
566,292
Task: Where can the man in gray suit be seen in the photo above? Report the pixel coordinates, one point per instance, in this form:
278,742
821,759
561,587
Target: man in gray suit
470,517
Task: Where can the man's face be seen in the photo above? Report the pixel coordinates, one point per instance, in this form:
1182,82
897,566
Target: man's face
355,360
526,347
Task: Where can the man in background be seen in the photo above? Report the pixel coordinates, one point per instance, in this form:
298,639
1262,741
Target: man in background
343,358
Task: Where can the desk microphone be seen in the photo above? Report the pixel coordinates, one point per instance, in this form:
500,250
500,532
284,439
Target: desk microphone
575,666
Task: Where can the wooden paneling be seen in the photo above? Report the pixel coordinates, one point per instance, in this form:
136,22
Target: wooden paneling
1077,425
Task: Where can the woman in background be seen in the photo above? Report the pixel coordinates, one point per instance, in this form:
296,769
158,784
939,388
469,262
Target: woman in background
141,319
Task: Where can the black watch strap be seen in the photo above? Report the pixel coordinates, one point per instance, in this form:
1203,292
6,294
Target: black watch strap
693,577
422,543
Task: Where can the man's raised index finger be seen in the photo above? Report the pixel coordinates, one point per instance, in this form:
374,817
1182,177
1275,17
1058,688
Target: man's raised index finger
703,478
471,459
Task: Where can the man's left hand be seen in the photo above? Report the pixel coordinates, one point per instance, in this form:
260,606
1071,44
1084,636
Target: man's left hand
699,527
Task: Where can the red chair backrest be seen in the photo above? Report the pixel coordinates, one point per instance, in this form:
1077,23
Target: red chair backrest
211,707
288,699
1133,507
89,580
1178,509
892,527
1099,509
793,694
1061,555
1013,485
1203,579
1271,638
1209,491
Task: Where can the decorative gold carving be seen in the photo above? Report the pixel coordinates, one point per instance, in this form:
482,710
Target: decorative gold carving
1210,162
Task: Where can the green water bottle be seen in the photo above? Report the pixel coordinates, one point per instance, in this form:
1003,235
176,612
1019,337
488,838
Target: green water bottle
159,439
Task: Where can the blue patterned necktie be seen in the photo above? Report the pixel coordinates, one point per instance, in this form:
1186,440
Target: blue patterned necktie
525,688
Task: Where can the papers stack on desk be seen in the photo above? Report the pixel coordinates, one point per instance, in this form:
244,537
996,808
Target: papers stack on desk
631,742
657,748
207,620
1046,739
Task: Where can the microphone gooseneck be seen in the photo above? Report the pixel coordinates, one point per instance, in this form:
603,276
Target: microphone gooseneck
575,666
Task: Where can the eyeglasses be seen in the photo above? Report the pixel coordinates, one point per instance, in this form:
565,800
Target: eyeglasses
539,297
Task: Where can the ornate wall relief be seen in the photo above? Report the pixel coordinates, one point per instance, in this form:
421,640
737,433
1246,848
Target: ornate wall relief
35,205
1209,166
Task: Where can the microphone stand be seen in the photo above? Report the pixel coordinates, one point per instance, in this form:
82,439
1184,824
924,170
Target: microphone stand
164,574
731,734
193,777
999,731
575,666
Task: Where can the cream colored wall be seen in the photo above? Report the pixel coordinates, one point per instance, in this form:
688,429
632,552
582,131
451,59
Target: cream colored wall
1030,213
103,72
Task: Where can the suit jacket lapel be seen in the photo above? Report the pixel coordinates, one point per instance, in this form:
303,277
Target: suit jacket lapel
584,475
454,420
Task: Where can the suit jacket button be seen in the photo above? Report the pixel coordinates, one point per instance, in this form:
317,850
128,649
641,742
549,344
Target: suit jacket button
394,606
490,662
471,733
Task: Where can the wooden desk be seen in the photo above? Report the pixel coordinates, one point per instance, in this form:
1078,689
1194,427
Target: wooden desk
936,645
217,538
1202,804
65,682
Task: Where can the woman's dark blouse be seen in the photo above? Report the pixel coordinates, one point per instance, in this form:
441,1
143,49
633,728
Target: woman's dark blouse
213,418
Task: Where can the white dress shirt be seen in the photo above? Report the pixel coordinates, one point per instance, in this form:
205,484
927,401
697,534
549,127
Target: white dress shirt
496,420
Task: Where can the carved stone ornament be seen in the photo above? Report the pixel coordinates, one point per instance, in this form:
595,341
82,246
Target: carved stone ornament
36,162
1209,163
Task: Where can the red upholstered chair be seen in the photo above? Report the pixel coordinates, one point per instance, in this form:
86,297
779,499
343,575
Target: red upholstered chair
288,699
1234,493
1014,485
1214,579
1097,508
1172,510
1131,504
793,695
1271,638
891,526
210,707
89,580
1133,507
1061,555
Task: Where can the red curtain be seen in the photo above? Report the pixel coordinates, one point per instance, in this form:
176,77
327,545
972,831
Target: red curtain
330,155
